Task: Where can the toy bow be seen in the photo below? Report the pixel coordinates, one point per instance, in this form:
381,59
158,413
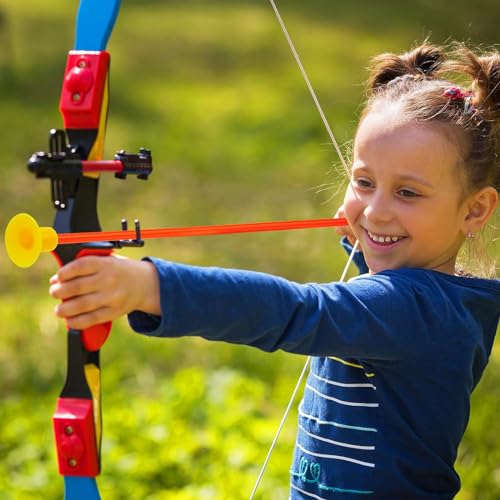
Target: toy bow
72,165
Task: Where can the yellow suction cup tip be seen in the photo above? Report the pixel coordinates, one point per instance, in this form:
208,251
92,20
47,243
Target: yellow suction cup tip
25,240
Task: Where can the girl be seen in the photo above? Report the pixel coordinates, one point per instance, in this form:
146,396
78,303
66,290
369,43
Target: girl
397,351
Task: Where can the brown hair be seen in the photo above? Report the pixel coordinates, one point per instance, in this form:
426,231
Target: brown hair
415,80
459,92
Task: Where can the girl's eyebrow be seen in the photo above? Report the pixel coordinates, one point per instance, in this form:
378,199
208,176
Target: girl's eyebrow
418,180
402,178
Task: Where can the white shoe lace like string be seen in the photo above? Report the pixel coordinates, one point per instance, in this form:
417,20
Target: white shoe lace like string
348,263
294,393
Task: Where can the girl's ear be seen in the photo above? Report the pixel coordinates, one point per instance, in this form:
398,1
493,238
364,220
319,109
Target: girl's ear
481,206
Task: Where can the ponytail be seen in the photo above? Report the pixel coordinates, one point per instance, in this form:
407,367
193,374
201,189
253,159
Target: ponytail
485,74
425,61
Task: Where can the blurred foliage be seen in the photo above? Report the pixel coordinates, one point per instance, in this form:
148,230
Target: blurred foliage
212,89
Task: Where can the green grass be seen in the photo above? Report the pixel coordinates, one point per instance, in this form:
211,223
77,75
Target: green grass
212,89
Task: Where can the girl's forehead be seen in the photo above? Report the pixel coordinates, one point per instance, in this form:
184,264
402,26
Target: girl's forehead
386,129
384,142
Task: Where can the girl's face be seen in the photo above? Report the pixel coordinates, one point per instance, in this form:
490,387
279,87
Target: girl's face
405,201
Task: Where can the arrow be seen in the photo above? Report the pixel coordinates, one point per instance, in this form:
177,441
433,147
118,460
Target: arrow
25,239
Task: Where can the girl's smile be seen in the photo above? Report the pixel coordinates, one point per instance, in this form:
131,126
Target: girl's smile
382,241
405,202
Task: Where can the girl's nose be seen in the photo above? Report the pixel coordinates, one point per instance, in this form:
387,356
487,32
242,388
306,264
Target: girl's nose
378,209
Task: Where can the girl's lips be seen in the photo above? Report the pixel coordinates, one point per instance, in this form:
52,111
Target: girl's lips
382,241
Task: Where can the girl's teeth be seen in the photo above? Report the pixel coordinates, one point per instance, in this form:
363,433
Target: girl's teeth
384,239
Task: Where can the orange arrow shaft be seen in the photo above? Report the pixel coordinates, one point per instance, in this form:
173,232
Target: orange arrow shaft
178,232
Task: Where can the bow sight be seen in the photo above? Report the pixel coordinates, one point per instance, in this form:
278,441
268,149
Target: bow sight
65,162
67,169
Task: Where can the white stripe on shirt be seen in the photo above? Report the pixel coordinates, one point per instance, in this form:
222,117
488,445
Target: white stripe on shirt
335,457
335,424
340,401
341,384
337,443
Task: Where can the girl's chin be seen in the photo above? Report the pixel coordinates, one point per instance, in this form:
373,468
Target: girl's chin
376,266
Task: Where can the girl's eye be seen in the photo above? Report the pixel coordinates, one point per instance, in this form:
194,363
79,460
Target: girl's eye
363,183
408,193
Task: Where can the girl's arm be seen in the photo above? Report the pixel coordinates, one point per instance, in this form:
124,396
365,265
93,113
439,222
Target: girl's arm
367,318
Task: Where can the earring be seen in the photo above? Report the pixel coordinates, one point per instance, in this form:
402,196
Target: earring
470,235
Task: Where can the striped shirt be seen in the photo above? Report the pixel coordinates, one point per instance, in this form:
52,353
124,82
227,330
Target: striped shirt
396,357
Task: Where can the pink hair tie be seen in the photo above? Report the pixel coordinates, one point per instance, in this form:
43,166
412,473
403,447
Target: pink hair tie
457,94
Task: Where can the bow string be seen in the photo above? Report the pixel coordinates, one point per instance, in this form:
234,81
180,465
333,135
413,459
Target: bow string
349,260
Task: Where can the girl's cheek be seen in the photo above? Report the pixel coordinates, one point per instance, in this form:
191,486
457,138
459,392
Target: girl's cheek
352,206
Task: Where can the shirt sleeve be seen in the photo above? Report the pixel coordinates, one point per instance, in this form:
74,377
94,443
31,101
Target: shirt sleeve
365,318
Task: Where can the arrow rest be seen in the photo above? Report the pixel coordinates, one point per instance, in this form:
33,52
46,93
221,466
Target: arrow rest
136,242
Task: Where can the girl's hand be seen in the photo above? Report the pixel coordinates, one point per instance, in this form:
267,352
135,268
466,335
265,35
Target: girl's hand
344,230
99,289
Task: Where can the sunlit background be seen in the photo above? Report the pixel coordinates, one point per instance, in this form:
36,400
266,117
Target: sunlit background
212,89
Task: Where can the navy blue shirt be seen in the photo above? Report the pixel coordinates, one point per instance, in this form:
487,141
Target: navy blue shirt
396,357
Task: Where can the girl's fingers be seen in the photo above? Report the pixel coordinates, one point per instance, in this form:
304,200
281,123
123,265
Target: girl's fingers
79,305
64,290
342,230
97,289
86,320
80,267
345,230
92,304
